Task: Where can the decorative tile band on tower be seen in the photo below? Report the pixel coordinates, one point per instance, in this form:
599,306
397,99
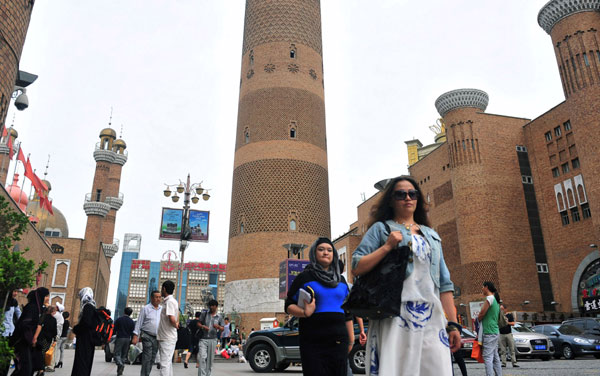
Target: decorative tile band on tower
115,202
95,207
120,159
104,155
556,10
110,250
461,98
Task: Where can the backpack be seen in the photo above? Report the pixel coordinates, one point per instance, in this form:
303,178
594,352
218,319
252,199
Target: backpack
104,327
502,321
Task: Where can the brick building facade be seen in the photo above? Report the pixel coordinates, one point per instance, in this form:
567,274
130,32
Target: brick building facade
280,182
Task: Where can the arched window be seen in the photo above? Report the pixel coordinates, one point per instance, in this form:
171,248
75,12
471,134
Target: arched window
293,225
293,51
251,57
292,132
570,198
241,227
561,202
246,136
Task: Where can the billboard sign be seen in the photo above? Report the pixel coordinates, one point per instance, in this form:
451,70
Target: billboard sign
171,224
288,270
199,225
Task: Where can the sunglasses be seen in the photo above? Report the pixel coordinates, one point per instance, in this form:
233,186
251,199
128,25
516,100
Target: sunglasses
401,194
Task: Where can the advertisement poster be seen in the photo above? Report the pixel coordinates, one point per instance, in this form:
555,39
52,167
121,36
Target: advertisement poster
170,224
288,270
199,225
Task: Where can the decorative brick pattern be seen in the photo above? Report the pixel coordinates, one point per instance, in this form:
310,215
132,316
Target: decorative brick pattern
282,21
265,191
267,114
470,277
461,98
451,247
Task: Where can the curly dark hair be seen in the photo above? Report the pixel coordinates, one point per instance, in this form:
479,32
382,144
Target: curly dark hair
383,211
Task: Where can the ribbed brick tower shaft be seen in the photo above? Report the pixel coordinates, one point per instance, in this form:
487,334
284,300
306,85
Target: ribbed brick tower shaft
14,21
280,181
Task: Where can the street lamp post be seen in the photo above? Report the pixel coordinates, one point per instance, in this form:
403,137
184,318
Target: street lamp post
186,232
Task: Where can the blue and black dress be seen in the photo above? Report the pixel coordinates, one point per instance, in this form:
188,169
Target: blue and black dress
323,335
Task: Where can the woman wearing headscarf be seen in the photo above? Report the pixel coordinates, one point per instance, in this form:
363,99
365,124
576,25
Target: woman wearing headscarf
324,337
84,330
26,332
46,334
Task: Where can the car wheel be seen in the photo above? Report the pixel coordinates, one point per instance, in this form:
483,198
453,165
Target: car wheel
282,366
567,352
597,356
262,358
357,359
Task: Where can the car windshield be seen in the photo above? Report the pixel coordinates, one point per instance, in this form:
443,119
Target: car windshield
521,329
569,330
468,333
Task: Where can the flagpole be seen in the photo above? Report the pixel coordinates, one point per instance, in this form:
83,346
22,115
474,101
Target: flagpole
17,161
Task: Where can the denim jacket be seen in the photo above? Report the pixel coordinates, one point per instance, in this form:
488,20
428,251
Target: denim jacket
376,236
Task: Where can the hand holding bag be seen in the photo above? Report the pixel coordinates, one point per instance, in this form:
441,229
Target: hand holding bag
378,293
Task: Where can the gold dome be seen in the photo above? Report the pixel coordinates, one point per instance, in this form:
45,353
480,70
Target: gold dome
46,221
47,184
14,133
108,132
120,143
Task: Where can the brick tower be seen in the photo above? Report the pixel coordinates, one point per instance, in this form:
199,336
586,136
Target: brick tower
573,27
101,207
280,182
15,16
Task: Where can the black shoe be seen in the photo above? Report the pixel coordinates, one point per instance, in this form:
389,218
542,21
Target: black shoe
158,366
185,365
58,365
504,366
515,366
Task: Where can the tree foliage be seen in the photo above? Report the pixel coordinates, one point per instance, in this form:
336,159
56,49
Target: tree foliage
15,270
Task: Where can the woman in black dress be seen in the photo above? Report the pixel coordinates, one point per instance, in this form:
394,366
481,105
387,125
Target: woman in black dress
45,337
85,330
324,337
26,331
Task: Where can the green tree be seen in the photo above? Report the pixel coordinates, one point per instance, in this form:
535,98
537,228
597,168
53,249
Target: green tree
15,270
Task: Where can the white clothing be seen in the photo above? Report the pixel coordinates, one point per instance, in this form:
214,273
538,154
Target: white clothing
166,349
60,320
414,343
166,330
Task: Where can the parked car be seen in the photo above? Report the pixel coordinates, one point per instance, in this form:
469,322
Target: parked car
570,341
275,349
589,325
531,344
467,338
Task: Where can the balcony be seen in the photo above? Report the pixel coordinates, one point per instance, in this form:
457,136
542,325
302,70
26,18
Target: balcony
115,202
95,207
103,154
110,250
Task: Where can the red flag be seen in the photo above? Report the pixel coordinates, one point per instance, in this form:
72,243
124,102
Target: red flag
47,205
28,171
20,156
4,132
39,184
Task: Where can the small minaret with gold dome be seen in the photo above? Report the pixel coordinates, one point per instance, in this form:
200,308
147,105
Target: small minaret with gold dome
101,206
12,135
416,150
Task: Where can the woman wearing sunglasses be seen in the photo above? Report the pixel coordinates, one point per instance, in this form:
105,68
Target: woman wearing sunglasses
416,342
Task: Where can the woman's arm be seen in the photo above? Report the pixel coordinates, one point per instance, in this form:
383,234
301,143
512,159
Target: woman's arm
362,336
307,311
447,299
350,328
368,262
37,333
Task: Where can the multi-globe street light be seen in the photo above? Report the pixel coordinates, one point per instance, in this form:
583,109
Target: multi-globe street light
186,189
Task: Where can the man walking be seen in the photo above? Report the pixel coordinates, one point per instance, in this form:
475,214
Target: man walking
146,329
167,328
507,342
124,327
210,322
488,316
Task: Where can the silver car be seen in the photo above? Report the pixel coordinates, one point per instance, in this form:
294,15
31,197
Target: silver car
531,344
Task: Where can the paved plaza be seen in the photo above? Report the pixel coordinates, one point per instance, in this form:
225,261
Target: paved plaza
581,366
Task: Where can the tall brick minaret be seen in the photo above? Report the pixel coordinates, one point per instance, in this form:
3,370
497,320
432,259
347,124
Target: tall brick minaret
11,137
280,180
15,16
574,26
101,206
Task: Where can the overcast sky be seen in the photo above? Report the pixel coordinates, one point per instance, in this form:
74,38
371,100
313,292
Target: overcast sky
171,69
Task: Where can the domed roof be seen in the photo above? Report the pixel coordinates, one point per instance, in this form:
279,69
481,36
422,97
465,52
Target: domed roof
47,184
120,142
108,132
13,132
56,222
17,194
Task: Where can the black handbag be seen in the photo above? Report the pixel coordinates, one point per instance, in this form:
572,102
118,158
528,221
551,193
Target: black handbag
378,293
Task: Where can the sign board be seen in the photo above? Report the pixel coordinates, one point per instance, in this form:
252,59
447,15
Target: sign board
275,323
475,308
171,224
199,225
140,264
288,270
591,304
204,267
